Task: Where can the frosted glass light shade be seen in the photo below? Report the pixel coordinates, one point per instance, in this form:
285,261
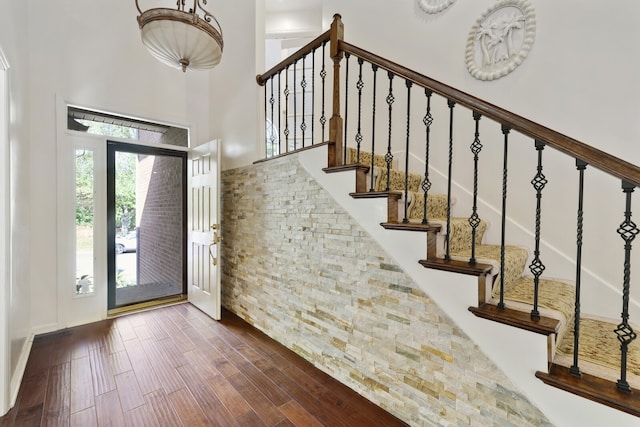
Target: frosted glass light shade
180,39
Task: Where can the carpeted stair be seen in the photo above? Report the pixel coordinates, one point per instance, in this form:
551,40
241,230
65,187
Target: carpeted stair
599,351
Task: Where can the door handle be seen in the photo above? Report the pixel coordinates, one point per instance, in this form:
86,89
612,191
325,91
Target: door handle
214,260
216,239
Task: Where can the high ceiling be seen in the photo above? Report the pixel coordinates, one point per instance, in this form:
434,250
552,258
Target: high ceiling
291,5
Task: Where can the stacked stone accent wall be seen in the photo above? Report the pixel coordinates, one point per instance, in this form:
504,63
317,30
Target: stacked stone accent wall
299,268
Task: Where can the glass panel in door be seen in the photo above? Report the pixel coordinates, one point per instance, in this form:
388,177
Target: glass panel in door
147,224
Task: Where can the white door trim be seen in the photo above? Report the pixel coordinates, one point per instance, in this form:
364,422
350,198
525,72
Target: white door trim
5,236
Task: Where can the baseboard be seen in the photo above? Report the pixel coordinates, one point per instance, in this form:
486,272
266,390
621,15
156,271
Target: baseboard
44,329
16,378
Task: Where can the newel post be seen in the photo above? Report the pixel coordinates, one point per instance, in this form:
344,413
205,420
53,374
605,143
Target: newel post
335,122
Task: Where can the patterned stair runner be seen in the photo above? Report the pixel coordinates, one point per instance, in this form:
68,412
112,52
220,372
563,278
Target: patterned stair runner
599,350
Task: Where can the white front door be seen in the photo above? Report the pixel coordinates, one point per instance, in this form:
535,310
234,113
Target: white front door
204,234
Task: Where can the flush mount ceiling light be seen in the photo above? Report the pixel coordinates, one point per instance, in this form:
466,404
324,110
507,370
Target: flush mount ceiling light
180,37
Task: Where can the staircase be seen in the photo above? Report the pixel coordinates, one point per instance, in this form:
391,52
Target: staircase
594,357
600,350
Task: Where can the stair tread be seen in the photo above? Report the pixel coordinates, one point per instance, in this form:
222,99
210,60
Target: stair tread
377,194
457,266
397,180
552,294
411,226
343,168
520,319
460,231
436,205
515,260
592,388
599,350
365,158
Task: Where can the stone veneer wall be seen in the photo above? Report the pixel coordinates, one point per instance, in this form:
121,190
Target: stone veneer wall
299,268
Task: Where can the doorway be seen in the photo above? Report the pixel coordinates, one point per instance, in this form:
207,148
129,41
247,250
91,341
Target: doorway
146,225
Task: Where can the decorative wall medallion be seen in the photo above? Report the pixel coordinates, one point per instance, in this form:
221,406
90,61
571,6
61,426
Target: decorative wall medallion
435,6
500,39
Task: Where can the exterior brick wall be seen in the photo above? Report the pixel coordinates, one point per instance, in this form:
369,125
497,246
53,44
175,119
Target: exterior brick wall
159,202
171,136
299,268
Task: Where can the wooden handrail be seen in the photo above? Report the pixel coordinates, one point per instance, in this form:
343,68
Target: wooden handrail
604,161
303,51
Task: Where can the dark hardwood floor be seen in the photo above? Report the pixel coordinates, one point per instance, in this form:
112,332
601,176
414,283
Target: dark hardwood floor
174,366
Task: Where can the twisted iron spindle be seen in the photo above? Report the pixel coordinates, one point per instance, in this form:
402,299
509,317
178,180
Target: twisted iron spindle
574,369
451,104
374,68
347,55
286,108
537,267
628,231
505,132
295,107
474,219
303,85
313,94
323,76
359,85
388,158
272,101
266,140
405,220
279,111
426,183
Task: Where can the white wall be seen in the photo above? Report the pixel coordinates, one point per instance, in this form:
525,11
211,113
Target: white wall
16,293
5,232
235,96
90,54
296,23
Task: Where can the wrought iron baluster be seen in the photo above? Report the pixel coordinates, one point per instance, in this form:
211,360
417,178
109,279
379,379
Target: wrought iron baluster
266,140
279,112
359,85
388,158
303,85
286,109
313,94
405,220
323,76
537,267
574,369
272,101
426,183
451,104
347,55
505,132
474,219
374,68
628,231
295,107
